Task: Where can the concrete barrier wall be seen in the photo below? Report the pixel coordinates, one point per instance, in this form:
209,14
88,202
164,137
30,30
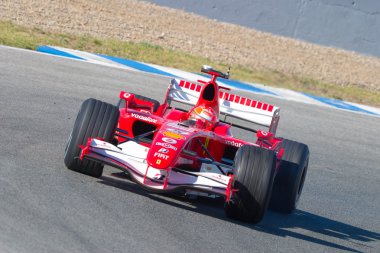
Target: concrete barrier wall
349,24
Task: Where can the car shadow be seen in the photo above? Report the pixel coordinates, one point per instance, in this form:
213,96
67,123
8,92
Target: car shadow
284,225
273,223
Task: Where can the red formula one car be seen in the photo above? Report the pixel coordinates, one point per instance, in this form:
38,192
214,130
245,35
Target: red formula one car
193,151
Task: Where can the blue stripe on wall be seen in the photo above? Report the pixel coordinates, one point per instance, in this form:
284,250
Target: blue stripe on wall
146,68
338,104
143,67
136,65
50,50
234,83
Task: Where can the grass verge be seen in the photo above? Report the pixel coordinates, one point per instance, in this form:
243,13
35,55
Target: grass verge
31,38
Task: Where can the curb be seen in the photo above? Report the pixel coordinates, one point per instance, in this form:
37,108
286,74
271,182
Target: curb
251,87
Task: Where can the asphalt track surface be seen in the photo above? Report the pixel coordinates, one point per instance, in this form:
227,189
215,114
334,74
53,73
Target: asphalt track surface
46,208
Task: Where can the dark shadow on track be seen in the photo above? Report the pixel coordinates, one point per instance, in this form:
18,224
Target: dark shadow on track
279,224
273,223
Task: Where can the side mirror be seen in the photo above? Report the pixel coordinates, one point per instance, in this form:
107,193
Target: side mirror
129,97
263,135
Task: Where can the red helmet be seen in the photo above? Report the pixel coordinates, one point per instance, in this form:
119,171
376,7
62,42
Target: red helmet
204,118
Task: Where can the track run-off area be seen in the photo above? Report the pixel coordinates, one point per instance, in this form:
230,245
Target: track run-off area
46,208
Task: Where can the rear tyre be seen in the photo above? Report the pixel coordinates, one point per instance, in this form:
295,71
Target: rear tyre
95,119
289,181
254,170
156,104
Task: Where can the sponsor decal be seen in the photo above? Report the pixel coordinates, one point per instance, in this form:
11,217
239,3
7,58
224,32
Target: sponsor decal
144,118
127,95
173,135
178,128
158,177
183,131
166,145
163,150
233,143
178,131
158,161
162,156
169,140
173,124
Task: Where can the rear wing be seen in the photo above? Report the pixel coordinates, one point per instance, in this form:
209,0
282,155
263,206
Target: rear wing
229,104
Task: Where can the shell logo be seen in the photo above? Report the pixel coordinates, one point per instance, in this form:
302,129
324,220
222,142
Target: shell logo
173,135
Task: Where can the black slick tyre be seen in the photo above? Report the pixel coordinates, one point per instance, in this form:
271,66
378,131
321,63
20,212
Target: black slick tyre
289,181
95,119
156,104
254,170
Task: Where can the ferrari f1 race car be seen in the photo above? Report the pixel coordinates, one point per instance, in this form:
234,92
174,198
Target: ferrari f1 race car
169,149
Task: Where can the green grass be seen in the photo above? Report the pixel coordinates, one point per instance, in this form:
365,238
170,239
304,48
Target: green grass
31,38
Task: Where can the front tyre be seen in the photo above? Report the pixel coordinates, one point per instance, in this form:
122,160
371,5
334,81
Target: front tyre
290,178
254,170
95,119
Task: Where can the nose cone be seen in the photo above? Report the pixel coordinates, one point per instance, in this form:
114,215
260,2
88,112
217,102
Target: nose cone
165,148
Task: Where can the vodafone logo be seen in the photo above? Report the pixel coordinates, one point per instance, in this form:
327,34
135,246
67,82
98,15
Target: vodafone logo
235,144
169,140
127,95
144,118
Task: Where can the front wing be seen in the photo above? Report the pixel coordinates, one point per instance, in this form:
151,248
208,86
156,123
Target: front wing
130,157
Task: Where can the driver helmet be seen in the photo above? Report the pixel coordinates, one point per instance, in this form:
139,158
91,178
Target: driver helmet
203,117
